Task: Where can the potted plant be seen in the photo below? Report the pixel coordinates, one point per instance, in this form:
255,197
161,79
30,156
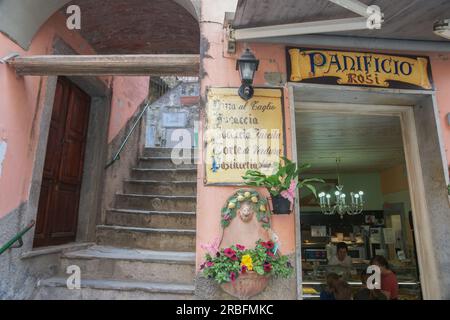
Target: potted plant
244,272
282,184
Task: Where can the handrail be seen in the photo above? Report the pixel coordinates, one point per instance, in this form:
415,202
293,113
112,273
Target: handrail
117,155
17,237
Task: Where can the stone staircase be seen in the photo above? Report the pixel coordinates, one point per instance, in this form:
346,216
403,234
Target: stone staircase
146,248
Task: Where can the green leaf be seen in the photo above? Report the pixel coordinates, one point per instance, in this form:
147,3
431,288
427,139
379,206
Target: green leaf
259,270
308,180
304,166
312,188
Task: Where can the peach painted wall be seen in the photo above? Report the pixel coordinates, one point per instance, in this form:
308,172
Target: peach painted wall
219,71
21,101
441,75
128,94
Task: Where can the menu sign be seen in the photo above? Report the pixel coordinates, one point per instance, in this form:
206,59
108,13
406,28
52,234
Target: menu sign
359,69
242,135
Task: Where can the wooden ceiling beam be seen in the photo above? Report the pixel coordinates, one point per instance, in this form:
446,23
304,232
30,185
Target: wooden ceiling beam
108,65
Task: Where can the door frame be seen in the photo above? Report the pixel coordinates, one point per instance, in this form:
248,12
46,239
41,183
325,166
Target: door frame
89,207
430,284
69,91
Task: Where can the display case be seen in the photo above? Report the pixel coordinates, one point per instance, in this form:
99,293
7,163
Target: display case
314,279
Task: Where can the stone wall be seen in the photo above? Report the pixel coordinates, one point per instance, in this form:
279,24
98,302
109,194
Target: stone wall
177,109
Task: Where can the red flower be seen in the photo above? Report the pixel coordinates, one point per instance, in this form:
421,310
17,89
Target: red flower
230,253
232,276
267,245
267,267
209,264
270,254
202,266
243,269
240,247
226,217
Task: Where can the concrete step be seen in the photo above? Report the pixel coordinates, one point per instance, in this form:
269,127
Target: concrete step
109,289
179,188
147,238
101,262
164,174
155,202
167,163
151,219
170,152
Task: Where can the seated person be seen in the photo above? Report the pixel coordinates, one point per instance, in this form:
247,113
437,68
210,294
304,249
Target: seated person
341,258
328,292
365,293
342,290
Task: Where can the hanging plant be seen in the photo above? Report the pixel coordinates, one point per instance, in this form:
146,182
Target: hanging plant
282,184
234,203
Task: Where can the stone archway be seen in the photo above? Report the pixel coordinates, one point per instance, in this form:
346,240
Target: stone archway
32,14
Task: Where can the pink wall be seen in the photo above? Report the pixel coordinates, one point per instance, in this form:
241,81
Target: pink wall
219,69
128,94
441,75
21,107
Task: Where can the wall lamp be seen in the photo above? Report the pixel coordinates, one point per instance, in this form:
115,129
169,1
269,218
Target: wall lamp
247,65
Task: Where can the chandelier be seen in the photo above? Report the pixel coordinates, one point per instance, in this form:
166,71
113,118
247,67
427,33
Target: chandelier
340,205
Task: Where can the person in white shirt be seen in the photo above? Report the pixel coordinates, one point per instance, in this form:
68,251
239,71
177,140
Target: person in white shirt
341,258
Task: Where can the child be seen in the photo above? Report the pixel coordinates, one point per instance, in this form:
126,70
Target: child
342,290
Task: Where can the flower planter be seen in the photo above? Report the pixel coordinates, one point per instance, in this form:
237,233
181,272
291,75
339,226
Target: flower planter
247,285
280,205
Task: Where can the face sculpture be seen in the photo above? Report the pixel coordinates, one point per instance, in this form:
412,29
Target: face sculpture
245,212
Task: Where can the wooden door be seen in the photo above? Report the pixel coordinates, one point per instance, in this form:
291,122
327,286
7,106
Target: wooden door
60,191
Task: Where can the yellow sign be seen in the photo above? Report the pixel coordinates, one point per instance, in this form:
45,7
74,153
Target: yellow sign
359,69
242,135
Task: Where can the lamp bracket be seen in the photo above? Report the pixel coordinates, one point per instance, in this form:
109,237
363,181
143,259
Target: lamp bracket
246,91
231,40
230,33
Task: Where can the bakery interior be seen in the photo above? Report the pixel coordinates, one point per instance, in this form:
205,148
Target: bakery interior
364,155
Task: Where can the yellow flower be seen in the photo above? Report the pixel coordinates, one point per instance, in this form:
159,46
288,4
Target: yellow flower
247,261
254,199
231,205
262,208
247,194
240,198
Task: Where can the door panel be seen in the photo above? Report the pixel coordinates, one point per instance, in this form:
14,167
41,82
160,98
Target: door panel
56,129
71,163
44,200
63,169
64,225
